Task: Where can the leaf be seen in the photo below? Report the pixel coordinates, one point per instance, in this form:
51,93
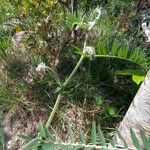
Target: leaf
54,75
25,138
101,136
42,131
130,72
82,140
113,50
50,146
126,52
112,143
32,144
77,50
138,79
70,132
121,138
50,136
145,140
134,139
93,133
119,54
72,18
66,147
111,110
77,147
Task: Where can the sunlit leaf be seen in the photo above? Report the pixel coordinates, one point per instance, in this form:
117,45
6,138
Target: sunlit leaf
138,79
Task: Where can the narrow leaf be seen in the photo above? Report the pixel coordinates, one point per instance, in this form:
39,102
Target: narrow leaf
93,133
145,140
32,144
54,75
50,146
119,52
113,50
25,138
77,147
126,51
112,143
134,139
101,136
121,137
50,136
70,132
42,131
66,147
81,136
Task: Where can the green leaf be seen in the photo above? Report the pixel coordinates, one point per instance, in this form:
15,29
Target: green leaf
42,131
138,79
50,146
50,136
66,147
111,110
125,51
134,139
113,50
81,136
72,19
70,132
145,140
119,54
101,136
112,143
54,75
25,138
131,72
32,144
77,147
93,133
121,138
77,50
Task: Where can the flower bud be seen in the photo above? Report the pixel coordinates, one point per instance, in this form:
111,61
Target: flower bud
90,51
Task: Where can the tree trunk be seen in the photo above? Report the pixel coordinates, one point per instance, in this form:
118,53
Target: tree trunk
138,114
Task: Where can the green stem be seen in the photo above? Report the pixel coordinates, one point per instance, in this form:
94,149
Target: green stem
60,96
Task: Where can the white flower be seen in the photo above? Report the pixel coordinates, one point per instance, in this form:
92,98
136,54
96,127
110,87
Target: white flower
146,30
41,68
98,12
89,51
146,27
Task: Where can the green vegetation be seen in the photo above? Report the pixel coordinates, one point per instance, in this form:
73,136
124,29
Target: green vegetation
91,55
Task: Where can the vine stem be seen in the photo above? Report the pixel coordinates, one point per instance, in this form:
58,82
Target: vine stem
60,96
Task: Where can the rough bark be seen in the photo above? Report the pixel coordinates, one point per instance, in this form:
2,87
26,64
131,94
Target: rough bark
138,114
